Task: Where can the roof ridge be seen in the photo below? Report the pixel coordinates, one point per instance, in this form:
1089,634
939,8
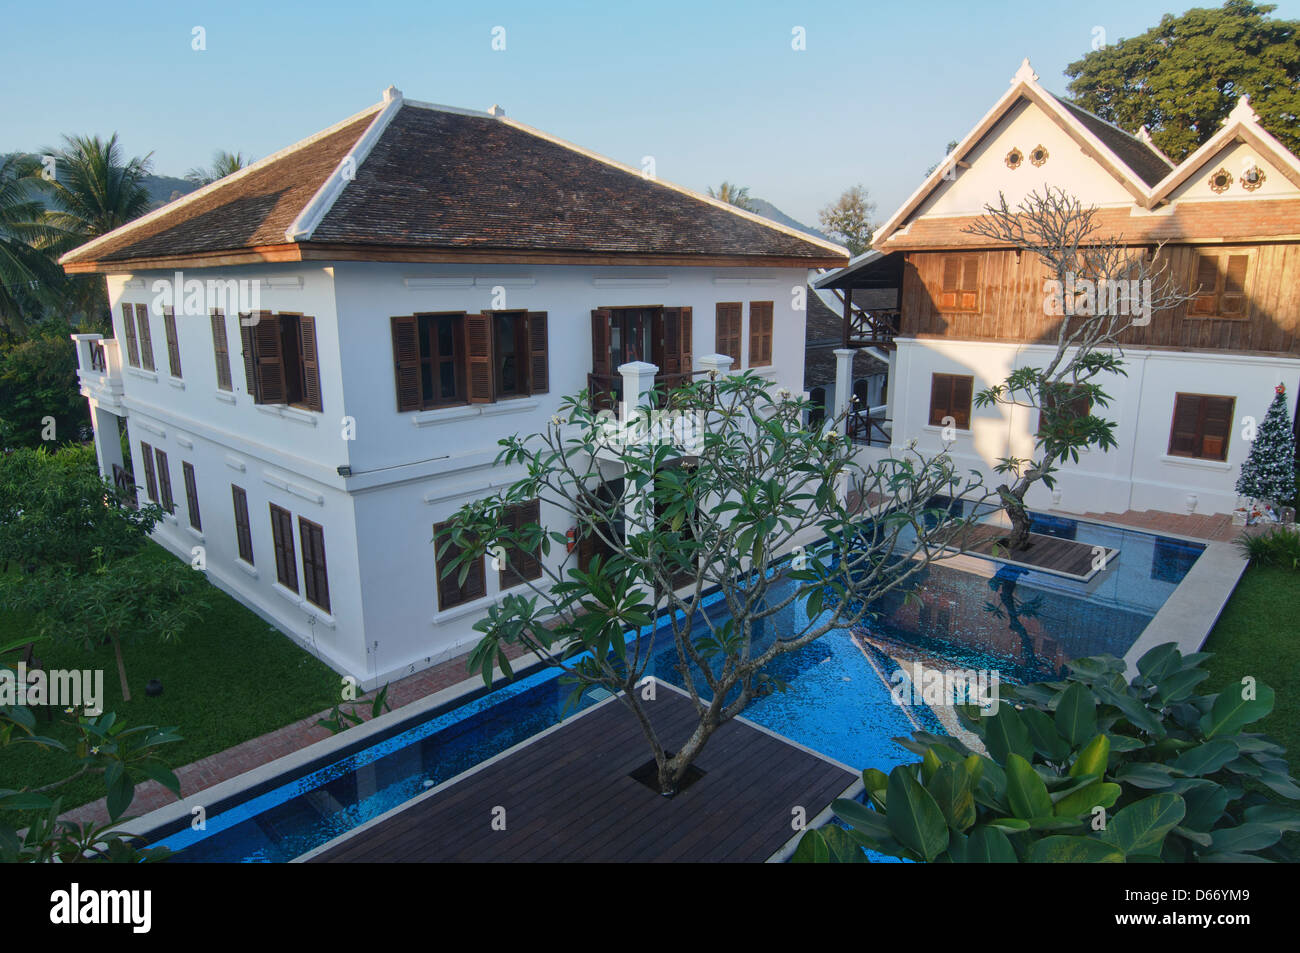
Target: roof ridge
318,206
211,187
681,189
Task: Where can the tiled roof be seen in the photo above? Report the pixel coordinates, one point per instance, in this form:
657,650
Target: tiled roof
443,179
1132,151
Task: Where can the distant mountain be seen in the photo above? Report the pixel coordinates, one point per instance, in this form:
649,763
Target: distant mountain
768,210
161,188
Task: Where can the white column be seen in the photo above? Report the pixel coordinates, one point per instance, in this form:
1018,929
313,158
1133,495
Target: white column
638,381
719,363
108,439
843,382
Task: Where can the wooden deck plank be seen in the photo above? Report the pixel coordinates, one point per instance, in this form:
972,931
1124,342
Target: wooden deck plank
1066,557
569,795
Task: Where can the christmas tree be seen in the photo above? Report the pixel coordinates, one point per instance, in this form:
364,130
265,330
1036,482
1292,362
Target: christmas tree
1269,470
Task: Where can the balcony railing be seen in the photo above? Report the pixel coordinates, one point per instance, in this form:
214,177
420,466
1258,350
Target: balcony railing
99,361
863,428
876,328
606,390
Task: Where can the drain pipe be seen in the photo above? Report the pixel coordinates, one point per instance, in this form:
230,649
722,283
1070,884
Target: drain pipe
1132,453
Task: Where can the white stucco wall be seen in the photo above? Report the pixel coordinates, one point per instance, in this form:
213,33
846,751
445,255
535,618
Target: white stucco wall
1138,473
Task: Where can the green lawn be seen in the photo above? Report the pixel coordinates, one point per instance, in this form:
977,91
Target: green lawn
1259,634
232,677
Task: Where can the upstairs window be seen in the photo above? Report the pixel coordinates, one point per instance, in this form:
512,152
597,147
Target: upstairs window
1219,286
280,361
1201,426
221,351
429,360
727,335
173,343
128,330
760,333
146,341
950,396
960,286
443,359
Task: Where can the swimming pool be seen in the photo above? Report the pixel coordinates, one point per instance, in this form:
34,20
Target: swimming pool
973,615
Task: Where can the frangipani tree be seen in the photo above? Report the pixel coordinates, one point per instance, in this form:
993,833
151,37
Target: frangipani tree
718,506
1100,287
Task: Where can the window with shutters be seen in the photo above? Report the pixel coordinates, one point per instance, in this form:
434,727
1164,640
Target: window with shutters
760,333
658,335
727,335
604,506
128,331
429,360
519,565
150,479
286,566
451,591
960,285
221,351
445,359
191,495
243,531
510,353
280,360
173,343
950,396
145,340
164,482
1201,426
315,584
1219,286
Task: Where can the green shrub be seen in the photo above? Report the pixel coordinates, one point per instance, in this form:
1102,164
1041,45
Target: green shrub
1090,769
1280,546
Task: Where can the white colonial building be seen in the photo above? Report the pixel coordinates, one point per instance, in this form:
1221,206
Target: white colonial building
315,357
1226,221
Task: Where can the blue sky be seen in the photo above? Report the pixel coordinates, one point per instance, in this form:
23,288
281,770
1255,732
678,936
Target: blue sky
711,90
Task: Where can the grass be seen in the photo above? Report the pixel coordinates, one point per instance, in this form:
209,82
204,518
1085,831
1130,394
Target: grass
231,677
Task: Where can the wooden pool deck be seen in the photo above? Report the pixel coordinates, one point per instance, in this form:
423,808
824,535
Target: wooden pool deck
567,795
1062,557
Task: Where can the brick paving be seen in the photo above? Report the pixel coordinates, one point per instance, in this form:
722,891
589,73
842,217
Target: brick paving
256,752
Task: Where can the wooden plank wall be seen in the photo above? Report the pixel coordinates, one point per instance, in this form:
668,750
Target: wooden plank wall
1012,309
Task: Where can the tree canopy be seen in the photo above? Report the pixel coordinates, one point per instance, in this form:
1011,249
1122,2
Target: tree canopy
1182,77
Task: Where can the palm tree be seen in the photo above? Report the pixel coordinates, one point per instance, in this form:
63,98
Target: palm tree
26,273
94,191
733,195
223,164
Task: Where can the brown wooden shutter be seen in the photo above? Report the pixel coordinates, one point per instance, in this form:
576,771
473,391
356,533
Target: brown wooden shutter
165,482
522,564
686,329
760,333
951,287
311,395
128,329
1205,287
1232,301
600,342
406,361
478,356
727,333
671,334
962,388
1216,427
146,341
539,364
970,283
150,479
286,569
250,358
173,345
940,390
450,593
243,531
314,578
191,495
268,360
221,350
1183,436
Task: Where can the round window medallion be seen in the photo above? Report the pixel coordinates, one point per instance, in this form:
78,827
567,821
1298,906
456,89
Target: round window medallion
1014,158
1038,156
1252,178
1220,181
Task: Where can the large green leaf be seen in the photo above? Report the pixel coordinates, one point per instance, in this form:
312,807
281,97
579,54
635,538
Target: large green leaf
953,790
1252,835
1005,734
1141,827
1026,791
1206,758
1097,794
1047,741
1076,714
914,817
1231,711
988,845
1066,849
1093,758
